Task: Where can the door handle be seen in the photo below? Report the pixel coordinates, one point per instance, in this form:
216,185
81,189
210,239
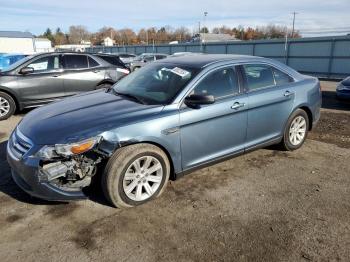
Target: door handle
55,75
288,93
237,105
96,71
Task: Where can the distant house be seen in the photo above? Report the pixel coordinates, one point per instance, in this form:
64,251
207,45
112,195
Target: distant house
108,41
42,45
212,38
16,42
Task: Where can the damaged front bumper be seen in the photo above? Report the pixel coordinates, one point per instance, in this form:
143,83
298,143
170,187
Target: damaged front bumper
25,172
60,180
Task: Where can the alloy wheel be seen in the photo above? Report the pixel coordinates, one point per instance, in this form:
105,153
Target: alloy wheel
4,107
143,178
297,130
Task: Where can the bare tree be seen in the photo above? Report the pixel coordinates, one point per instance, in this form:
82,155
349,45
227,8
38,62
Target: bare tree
78,33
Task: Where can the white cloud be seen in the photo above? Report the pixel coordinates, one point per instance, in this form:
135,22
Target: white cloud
37,15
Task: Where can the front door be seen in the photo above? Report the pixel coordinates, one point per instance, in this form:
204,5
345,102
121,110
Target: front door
217,130
44,84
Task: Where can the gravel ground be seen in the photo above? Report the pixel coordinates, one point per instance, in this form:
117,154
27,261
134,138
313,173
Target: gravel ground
264,206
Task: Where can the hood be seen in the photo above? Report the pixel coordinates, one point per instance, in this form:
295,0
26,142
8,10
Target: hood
346,81
83,116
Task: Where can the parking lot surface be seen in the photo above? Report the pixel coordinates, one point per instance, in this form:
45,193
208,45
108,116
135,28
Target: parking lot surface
267,205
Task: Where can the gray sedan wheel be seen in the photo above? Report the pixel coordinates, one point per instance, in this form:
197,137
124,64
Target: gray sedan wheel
135,174
7,106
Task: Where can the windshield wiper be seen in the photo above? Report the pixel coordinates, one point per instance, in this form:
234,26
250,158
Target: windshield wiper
130,96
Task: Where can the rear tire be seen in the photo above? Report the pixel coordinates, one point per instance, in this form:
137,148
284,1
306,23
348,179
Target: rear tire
135,175
296,130
7,106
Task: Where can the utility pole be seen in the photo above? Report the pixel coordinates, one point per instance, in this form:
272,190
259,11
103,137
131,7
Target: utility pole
204,25
294,14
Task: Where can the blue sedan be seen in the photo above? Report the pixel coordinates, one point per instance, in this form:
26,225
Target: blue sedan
343,89
165,120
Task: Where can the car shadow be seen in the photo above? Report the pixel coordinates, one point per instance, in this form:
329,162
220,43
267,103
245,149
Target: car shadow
9,187
330,101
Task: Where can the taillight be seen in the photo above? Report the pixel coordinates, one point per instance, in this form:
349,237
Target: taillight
124,71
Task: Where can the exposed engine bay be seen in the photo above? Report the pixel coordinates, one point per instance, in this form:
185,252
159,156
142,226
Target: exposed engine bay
74,173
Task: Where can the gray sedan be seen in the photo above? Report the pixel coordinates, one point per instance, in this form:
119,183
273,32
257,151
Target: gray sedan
39,79
145,58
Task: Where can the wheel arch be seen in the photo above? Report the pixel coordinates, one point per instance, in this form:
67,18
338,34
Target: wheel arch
163,148
106,81
13,95
309,114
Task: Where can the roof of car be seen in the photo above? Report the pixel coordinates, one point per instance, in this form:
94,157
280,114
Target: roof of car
154,54
202,60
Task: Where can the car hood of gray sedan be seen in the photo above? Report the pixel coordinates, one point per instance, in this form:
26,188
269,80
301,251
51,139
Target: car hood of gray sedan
83,116
346,81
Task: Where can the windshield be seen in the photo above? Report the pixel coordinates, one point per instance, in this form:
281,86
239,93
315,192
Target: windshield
156,83
18,63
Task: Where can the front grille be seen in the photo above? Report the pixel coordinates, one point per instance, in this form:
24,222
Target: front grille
19,144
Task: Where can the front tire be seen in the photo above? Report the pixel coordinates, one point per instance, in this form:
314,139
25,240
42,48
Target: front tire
7,106
296,130
135,175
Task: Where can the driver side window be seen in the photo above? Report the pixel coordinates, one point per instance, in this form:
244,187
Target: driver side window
45,64
220,83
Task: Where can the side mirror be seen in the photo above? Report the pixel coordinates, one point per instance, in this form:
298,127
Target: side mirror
197,100
26,70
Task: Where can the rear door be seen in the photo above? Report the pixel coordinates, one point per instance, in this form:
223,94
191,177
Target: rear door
45,83
81,73
271,97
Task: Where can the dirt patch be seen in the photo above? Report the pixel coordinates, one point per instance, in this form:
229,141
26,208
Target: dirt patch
85,238
58,210
13,218
333,128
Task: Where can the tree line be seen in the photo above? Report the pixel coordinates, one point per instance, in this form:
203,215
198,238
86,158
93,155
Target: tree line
78,34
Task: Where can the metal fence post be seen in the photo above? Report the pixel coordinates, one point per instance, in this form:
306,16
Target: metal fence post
287,53
330,59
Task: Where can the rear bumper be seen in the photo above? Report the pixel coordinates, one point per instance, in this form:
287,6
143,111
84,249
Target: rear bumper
25,173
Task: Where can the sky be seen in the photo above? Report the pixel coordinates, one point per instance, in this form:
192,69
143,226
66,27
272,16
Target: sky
314,17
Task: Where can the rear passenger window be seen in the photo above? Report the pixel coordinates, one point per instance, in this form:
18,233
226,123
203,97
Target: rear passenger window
113,60
220,83
258,76
280,77
92,62
76,61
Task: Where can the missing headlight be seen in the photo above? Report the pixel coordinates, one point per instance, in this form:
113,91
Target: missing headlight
74,173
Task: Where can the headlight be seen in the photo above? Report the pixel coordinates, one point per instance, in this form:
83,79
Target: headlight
342,87
48,152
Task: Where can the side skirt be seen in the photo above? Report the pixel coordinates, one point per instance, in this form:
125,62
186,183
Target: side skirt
227,157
